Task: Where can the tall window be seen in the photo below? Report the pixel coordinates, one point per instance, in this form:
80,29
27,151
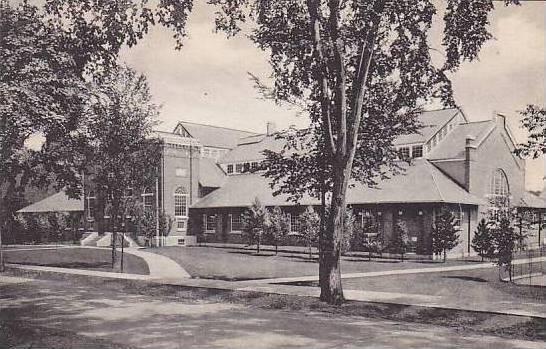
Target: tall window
148,199
236,222
294,223
210,222
499,184
91,205
180,202
230,168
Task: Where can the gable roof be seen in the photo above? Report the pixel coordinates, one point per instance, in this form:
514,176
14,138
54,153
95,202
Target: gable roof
214,136
422,182
432,121
252,149
453,146
210,174
58,202
241,190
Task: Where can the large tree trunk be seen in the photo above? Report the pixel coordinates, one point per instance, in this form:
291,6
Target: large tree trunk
1,251
331,290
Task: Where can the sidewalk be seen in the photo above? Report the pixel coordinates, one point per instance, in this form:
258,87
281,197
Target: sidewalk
537,310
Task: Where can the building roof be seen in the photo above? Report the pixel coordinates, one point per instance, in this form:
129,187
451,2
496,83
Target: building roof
422,182
241,190
210,174
453,146
432,121
214,136
531,200
58,202
252,148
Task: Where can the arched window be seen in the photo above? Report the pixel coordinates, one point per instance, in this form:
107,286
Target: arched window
180,202
148,199
498,186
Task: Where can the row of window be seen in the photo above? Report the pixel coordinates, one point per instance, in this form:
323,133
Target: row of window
235,222
242,167
434,141
148,200
414,152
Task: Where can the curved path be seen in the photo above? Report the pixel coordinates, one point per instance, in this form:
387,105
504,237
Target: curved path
161,267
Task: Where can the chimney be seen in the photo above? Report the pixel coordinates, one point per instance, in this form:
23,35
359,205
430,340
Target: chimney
271,128
470,157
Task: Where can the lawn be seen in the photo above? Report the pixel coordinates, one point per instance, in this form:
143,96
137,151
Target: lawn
456,287
77,258
240,264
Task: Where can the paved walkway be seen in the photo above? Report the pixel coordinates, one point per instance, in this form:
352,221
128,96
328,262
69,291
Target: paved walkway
396,272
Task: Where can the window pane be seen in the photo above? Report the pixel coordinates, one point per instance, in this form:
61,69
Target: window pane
229,168
417,151
404,152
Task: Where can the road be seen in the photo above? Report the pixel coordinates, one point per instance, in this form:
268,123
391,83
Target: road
140,321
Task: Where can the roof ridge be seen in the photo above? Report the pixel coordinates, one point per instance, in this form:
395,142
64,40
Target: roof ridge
222,127
440,109
434,180
476,122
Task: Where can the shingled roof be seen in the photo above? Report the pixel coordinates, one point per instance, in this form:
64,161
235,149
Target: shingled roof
252,149
422,182
58,202
210,174
214,136
531,200
432,121
453,146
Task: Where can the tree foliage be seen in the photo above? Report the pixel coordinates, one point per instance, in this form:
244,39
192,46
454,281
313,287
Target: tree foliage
445,233
120,146
534,121
504,237
482,242
255,222
362,71
309,223
278,227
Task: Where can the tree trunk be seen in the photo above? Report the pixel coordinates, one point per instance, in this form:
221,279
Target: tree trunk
258,244
1,251
444,255
276,249
331,290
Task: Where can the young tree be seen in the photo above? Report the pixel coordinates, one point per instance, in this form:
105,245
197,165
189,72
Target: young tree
482,242
361,70
309,222
400,240
278,227
534,121
445,234
255,222
120,146
505,239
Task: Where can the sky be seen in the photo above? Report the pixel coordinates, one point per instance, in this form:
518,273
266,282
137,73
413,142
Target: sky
207,80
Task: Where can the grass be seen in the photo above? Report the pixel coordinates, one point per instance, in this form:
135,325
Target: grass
77,258
466,322
456,287
240,264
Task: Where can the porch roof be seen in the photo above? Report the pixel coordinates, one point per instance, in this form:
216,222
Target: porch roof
59,202
422,182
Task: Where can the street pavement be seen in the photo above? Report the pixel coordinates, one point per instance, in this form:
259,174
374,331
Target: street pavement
147,322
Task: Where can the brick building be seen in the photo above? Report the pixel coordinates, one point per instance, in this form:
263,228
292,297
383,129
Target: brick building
206,182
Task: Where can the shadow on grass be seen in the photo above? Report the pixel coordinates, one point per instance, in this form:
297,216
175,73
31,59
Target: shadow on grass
465,278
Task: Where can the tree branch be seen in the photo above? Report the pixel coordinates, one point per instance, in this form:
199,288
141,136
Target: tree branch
362,73
313,8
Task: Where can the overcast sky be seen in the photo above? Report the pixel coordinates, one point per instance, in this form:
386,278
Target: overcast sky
207,80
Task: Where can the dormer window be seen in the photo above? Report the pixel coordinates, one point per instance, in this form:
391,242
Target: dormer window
404,152
230,168
238,168
246,167
417,151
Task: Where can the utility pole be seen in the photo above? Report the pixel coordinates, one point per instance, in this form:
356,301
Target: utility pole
157,211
